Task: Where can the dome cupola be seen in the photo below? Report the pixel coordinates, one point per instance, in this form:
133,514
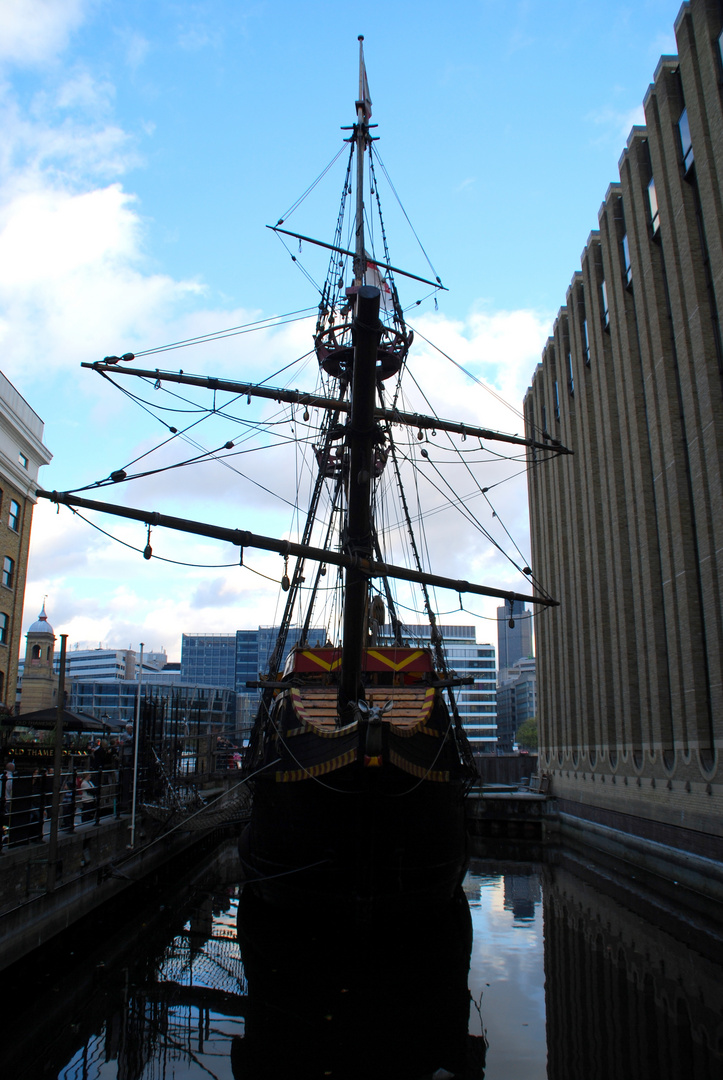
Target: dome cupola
41,625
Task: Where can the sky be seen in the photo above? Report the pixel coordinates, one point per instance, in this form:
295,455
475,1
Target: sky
145,148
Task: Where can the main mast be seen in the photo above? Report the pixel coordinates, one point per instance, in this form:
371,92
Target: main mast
360,430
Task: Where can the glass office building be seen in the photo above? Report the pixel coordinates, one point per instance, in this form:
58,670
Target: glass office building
232,660
477,703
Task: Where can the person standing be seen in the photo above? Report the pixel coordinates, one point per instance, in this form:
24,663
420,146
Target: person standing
87,798
6,798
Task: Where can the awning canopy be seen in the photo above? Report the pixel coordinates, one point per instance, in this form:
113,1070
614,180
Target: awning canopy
47,719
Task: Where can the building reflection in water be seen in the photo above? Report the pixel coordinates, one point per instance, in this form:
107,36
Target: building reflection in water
629,988
633,986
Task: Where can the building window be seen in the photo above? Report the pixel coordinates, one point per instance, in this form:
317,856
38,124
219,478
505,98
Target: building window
557,400
23,460
4,626
604,297
570,376
686,146
14,516
653,200
628,271
8,574
586,342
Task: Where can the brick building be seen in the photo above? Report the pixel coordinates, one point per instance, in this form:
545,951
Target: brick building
628,533
22,453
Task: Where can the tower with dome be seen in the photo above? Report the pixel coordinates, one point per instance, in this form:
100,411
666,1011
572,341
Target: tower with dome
40,683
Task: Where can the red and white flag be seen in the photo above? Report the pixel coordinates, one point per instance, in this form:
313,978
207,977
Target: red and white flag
374,277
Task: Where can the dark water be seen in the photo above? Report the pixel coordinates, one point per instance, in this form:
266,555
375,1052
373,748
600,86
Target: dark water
555,971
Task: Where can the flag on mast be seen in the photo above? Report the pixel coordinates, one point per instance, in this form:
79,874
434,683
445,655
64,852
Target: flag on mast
365,99
374,277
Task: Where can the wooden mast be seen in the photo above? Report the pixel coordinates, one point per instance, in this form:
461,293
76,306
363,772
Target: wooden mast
360,431
358,538
361,135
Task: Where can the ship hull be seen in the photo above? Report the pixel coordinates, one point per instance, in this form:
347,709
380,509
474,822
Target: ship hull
360,811
356,839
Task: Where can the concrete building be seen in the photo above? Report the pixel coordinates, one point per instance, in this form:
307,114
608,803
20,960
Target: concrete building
476,703
628,533
22,454
513,641
93,665
516,700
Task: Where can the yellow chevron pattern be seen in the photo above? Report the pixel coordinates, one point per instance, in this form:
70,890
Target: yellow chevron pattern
290,776
387,661
439,776
323,663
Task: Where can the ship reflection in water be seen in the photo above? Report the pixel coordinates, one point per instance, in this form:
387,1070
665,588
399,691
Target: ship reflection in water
554,971
384,998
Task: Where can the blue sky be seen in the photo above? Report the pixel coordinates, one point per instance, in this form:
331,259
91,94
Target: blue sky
146,146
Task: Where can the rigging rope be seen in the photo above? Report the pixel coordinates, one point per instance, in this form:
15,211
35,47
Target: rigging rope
375,153
233,331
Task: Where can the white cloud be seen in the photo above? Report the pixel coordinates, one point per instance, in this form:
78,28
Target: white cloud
71,282
33,31
615,124
65,137
137,49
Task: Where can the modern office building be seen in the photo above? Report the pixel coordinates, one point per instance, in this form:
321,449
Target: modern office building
477,702
516,701
22,454
95,665
208,659
196,709
232,660
514,634
628,533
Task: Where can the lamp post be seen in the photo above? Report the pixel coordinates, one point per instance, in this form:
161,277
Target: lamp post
137,734
57,767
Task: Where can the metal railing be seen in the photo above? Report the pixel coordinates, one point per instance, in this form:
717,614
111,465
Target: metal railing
86,798
169,769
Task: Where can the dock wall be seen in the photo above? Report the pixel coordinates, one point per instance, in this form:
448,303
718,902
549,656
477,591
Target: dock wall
94,867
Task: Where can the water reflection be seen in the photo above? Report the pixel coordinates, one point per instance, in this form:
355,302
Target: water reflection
386,998
557,971
506,978
634,984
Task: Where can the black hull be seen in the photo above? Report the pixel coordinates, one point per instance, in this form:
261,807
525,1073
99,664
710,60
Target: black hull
361,838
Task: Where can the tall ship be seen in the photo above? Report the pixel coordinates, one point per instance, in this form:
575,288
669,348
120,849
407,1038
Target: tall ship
358,759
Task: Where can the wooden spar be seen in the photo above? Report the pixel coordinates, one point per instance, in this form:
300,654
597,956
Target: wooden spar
319,401
243,538
345,251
